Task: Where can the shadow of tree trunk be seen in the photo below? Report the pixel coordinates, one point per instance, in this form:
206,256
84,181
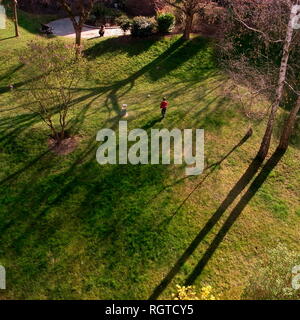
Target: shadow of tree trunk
235,213
231,197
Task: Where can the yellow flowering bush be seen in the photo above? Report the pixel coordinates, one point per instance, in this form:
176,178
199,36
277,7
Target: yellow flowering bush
189,293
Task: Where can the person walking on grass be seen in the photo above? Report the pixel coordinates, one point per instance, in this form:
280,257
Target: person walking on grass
163,106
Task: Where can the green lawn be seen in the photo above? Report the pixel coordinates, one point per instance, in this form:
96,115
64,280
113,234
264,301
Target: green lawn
72,229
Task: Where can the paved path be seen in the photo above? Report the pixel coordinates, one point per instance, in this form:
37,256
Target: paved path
64,27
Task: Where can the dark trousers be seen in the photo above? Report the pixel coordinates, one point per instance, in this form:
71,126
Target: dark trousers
163,112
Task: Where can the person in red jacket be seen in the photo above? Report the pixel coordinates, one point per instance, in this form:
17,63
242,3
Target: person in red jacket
163,106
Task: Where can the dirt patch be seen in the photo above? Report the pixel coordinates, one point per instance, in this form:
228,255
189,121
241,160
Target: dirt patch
67,146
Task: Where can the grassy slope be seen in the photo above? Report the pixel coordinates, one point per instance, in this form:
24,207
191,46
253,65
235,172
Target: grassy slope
71,228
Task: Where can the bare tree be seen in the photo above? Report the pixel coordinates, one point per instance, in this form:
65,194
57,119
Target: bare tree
188,7
271,24
50,83
265,144
78,11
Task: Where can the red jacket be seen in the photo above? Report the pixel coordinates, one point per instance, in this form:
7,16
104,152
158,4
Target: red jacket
164,104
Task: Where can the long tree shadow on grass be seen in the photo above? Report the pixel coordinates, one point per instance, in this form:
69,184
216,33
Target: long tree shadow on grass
177,54
11,71
10,128
68,181
231,197
17,85
7,38
106,205
235,213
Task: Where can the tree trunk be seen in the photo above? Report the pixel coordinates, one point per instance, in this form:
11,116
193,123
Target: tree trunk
78,30
15,13
188,26
265,144
55,134
289,127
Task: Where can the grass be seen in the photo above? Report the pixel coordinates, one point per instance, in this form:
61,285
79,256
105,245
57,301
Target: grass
72,229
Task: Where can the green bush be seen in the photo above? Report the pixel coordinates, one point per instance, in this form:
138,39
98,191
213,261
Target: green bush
142,26
165,22
124,23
